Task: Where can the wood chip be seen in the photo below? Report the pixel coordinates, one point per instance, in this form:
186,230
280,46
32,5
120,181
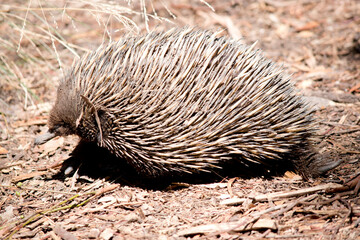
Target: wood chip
3,150
59,230
308,26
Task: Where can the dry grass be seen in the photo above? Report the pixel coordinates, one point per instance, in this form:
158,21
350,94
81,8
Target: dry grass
42,37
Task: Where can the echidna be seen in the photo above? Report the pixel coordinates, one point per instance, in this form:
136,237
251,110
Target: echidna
185,100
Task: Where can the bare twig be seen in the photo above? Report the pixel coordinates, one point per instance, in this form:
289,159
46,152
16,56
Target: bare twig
279,195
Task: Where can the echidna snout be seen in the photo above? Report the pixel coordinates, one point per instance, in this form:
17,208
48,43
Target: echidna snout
186,101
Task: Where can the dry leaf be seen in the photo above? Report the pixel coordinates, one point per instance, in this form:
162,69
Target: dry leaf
292,175
63,233
52,145
3,150
308,26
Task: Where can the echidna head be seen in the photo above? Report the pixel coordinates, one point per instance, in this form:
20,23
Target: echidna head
61,124
63,116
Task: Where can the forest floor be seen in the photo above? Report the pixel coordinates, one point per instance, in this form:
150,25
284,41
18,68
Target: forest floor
318,42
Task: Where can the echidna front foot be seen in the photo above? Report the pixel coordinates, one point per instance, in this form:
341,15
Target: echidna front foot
329,166
315,165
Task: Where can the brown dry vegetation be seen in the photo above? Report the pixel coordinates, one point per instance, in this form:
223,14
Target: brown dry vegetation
317,41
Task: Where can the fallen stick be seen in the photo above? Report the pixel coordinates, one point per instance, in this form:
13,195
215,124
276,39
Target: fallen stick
229,227
279,195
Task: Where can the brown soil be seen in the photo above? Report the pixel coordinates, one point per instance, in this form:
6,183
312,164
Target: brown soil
317,41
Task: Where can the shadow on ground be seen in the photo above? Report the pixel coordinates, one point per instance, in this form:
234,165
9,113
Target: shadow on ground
96,162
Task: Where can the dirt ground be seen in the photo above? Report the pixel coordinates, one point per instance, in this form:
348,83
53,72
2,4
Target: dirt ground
318,42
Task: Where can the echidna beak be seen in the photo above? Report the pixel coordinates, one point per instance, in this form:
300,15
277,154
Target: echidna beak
44,138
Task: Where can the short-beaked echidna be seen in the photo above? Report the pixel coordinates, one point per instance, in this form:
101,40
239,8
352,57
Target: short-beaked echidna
185,100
